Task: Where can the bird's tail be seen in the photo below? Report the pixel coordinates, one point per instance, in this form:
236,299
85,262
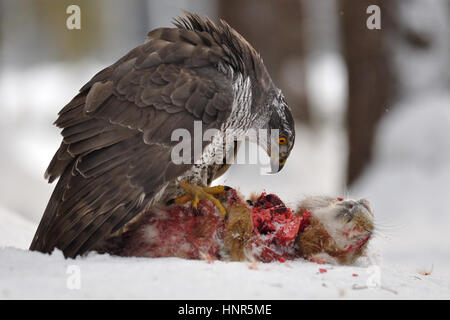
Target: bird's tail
39,242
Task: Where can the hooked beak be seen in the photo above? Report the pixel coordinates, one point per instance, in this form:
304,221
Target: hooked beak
276,164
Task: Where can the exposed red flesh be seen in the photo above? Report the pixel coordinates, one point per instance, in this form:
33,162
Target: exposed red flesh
177,231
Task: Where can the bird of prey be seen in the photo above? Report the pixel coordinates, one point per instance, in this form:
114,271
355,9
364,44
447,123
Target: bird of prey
114,161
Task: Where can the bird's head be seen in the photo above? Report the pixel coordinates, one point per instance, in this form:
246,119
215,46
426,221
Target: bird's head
267,101
280,132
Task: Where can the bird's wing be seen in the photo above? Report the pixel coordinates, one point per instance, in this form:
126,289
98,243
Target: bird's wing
116,148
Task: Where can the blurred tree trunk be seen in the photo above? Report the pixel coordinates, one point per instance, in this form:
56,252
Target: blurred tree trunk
370,80
274,28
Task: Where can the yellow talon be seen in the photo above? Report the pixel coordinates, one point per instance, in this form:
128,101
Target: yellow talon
196,193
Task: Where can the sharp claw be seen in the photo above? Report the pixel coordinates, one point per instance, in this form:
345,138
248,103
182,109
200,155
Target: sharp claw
170,202
226,188
196,211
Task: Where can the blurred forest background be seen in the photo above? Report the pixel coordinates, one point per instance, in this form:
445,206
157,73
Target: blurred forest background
372,106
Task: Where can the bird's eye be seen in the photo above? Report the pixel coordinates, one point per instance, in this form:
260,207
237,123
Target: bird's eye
282,140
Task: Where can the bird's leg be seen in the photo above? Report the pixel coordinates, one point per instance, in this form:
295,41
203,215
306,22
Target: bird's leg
196,193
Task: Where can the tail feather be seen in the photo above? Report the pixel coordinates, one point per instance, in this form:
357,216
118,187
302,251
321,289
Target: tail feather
39,242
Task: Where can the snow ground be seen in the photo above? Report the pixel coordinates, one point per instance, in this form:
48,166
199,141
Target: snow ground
31,275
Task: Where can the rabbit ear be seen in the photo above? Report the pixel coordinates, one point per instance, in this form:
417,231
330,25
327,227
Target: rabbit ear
314,202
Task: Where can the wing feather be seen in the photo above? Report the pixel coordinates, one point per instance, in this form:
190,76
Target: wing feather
115,154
